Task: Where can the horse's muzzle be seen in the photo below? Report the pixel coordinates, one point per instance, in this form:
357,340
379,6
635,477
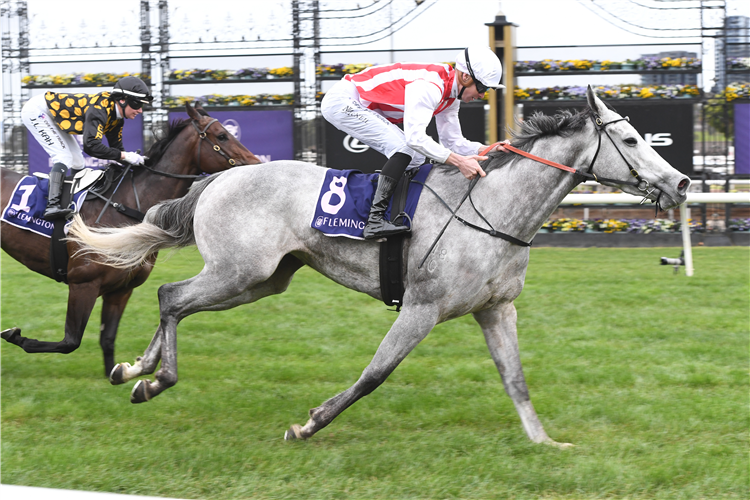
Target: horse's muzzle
670,198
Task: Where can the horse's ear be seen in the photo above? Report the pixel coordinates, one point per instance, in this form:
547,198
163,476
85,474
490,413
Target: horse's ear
192,113
199,106
596,105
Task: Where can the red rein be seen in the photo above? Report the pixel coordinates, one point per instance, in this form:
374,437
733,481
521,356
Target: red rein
528,155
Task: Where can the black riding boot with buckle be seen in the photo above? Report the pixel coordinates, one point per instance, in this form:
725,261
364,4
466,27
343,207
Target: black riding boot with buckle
377,225
56,182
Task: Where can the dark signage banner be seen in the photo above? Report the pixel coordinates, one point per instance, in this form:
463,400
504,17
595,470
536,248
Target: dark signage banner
132,139
343,152
742,138
268,134
666,126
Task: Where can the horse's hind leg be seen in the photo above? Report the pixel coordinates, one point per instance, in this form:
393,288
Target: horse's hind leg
499,327
412,325
81,300
209,291
113,306
144,365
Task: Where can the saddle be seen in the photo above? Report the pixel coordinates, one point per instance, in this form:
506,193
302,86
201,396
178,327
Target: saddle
96,182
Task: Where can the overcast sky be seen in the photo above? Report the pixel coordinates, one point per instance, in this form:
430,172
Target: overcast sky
440,23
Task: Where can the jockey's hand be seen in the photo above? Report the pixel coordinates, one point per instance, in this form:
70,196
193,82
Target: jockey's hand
467,165
133,158
501,146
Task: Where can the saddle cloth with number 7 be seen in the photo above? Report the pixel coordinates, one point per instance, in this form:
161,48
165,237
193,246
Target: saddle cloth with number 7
345,198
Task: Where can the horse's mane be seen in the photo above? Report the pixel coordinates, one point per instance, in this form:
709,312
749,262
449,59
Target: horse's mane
157,149
564,123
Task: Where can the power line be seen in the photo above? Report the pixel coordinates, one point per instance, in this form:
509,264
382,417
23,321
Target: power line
639,26
664,8
398,29
630,31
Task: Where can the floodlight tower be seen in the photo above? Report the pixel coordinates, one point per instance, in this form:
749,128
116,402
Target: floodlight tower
307,119
15,62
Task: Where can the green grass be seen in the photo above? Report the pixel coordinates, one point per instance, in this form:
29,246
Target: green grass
645,371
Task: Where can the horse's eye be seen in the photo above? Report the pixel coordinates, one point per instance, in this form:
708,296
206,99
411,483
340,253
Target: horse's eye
222,137
631,141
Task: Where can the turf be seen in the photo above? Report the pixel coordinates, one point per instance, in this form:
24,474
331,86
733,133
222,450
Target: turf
645,371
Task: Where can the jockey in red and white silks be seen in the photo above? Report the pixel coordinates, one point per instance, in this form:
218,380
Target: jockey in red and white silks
429,89
369,104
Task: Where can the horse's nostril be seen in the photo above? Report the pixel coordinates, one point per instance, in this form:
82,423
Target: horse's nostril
683,185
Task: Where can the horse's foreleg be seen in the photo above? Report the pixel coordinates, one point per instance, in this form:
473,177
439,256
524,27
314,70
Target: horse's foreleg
412,325
113,306
499,327
81,300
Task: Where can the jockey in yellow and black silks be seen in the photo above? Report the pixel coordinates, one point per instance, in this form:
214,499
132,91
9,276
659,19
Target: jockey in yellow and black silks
54,118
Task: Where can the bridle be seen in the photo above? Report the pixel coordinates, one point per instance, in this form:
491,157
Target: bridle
640,183
136,214
202,134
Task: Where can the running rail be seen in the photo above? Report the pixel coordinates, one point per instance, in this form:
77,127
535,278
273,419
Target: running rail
621,198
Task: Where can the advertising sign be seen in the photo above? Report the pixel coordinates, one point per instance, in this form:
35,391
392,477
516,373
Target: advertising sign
666,125
268,134
742,138
132,140
344,152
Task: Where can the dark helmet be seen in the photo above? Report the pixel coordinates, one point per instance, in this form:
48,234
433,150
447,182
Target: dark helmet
133,90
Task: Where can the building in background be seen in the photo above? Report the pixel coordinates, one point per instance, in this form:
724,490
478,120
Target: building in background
669,78
735,45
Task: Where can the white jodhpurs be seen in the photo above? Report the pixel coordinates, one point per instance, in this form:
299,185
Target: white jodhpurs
62,148
342,108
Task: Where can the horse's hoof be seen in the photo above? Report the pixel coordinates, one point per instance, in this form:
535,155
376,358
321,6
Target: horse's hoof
117,375
11,335
294,432
562,446
140,392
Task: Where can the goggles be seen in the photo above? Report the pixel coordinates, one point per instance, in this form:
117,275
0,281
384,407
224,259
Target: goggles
137,103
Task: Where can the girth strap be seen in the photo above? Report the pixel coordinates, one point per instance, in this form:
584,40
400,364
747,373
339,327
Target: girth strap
392,249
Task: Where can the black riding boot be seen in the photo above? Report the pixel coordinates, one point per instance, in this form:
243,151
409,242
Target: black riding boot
377,226
56,178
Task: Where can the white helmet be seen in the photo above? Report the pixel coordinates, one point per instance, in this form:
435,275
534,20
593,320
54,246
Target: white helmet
481,63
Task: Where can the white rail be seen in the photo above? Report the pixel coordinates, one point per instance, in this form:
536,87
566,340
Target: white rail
614,199
625,199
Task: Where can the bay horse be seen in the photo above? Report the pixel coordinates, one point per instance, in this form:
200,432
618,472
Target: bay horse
253,244
174,163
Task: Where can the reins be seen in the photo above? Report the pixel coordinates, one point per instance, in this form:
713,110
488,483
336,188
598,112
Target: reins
137,214
639,182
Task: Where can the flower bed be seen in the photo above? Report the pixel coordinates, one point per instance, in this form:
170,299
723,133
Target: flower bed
638,226
608,92
232,100
93,79
641,64
735,90
740,63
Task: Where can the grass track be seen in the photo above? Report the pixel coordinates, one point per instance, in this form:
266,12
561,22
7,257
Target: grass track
646,372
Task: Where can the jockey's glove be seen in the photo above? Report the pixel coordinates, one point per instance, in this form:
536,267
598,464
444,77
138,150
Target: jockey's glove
133,158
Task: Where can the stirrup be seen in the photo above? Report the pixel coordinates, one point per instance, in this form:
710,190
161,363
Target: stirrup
56,213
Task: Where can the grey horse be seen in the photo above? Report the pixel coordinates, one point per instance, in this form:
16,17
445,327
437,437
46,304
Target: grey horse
252,227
